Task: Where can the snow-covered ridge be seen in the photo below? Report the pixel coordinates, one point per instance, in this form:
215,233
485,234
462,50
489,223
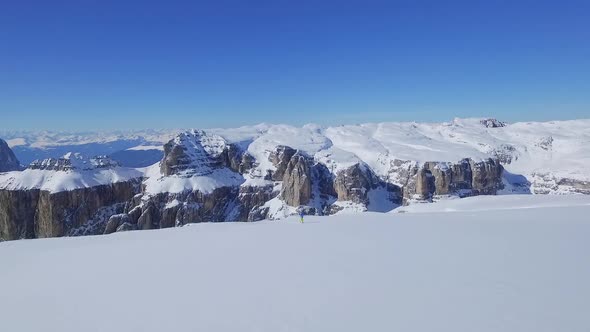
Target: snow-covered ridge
543,152
73,161
518,270
72,171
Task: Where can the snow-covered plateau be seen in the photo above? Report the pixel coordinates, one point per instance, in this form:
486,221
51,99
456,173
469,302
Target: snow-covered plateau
487,263
268,171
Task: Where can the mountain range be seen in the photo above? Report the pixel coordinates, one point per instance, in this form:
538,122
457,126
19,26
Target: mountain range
95,183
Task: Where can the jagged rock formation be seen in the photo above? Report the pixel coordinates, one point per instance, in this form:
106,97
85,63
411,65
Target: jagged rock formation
492,123
465,178
195,152
8,161
73,162
251,201
280,158
354,183
297,181
116,221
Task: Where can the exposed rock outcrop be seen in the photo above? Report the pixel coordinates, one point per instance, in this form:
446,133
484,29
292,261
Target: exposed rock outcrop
492,123
354,183
194,153
252,200
297,181
280,158
8,161
17,214
34,213
115,222
73,162
486,176
464,178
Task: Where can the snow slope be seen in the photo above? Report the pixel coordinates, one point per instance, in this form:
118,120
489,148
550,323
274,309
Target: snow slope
72,171
499,270
156,183
542,153
486,203
55,181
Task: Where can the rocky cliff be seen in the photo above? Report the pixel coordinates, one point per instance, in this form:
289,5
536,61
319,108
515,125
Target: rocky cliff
34,213
30,210
8,161
464,178
204,178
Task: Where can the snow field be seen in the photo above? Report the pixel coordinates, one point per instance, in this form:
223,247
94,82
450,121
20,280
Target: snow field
517,269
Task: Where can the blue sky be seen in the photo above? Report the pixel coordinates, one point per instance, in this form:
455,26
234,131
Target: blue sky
142,64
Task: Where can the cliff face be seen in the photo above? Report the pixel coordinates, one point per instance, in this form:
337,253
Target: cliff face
297,181
17,214
464,178
33,213
72,195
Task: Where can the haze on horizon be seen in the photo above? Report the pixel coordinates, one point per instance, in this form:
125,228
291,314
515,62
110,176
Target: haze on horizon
90,65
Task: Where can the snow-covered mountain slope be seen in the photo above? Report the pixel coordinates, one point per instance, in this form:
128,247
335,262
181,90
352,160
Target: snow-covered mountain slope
517,270
72,171
191,162
546,153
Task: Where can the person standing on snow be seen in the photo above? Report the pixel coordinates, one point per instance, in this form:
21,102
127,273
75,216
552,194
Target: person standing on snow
301,214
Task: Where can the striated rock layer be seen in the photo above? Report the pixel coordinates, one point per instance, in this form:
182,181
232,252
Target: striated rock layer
34,213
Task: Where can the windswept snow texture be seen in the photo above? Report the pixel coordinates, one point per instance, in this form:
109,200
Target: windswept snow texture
520,270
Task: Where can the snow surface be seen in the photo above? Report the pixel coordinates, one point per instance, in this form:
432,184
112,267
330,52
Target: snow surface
146,148
485,203
500,270
75,171
56,181
216,178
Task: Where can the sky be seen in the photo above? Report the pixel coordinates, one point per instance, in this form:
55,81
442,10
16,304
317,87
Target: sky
80,65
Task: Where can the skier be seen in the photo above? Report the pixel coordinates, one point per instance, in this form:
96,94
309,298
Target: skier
301,214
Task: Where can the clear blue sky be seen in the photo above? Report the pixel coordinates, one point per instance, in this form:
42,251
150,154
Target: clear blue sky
141,64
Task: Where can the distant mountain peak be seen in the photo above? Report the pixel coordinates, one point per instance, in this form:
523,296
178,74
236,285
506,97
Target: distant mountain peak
194,152
492,123
8,161
73,161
